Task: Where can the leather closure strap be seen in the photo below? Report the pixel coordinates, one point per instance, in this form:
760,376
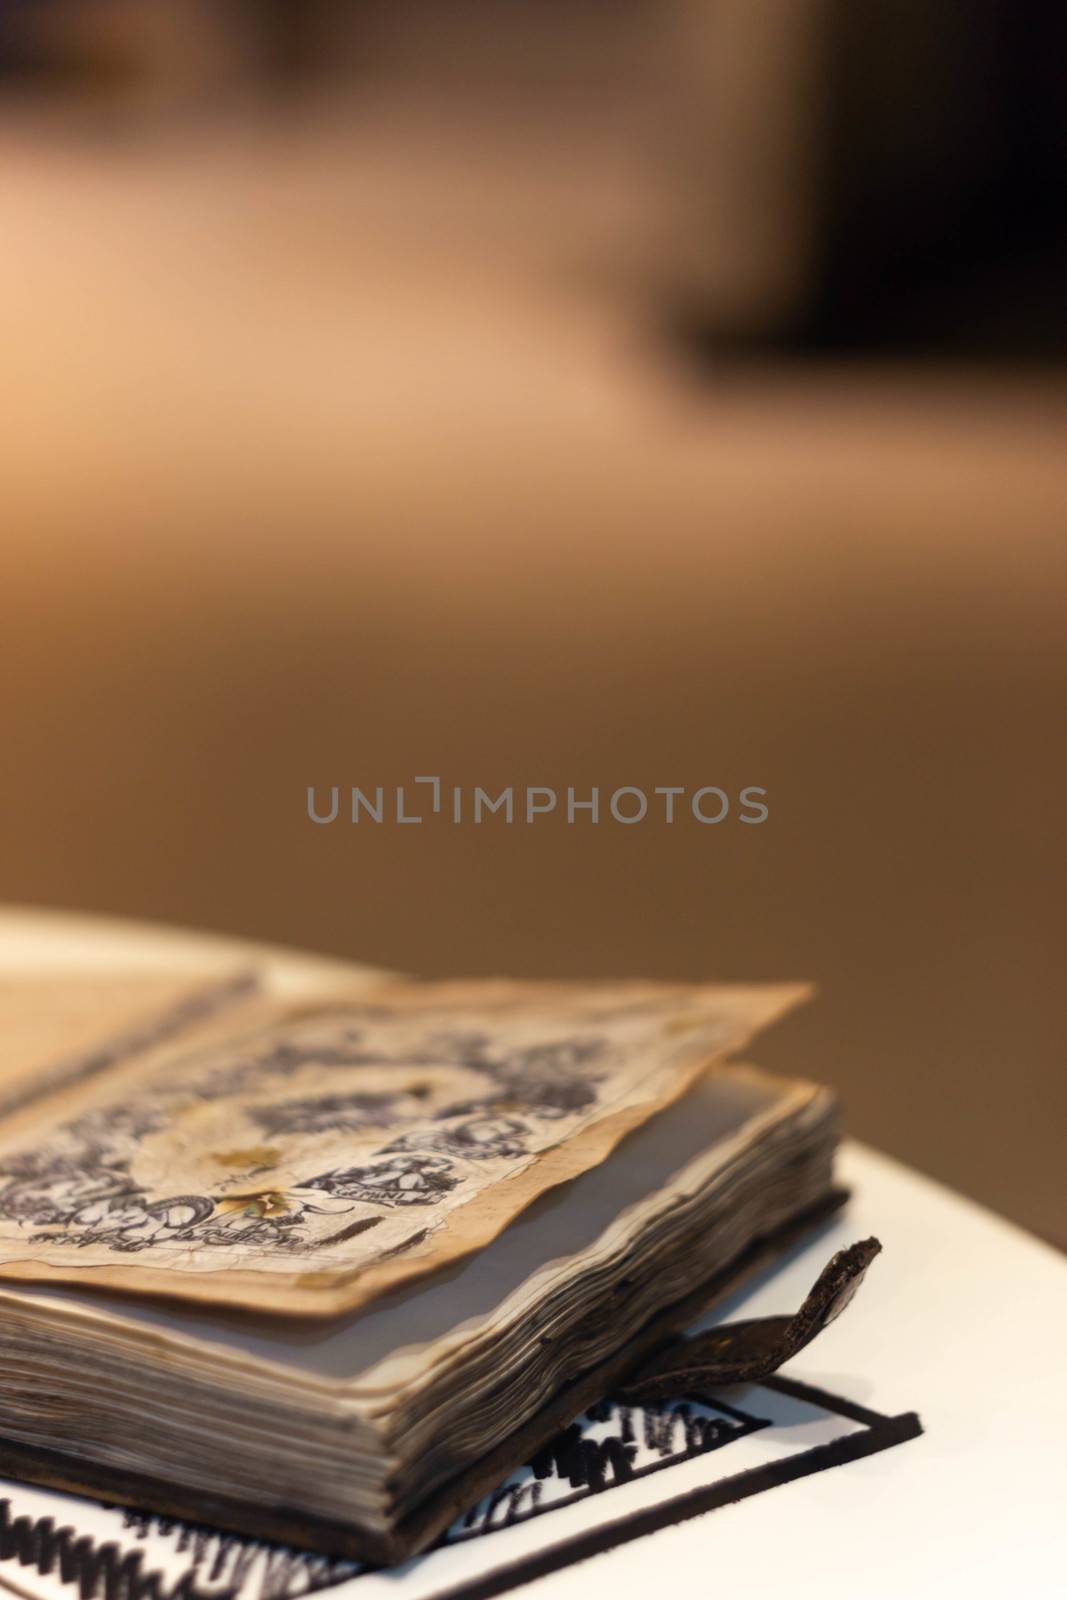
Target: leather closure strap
746,1352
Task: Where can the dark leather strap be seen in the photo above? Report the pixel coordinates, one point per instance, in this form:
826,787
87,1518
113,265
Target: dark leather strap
746,1352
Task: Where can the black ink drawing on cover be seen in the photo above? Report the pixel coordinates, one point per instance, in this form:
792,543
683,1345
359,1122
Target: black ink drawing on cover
611,1445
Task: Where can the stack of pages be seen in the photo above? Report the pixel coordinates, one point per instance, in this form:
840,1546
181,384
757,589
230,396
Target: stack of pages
307,1270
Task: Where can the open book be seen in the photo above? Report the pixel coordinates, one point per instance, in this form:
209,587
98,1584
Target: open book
316,1266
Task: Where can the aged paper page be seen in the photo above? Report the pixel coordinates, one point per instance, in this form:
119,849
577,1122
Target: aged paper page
61,1029
319,1157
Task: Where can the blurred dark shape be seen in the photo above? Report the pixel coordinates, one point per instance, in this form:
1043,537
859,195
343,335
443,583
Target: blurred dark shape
936,182
944,215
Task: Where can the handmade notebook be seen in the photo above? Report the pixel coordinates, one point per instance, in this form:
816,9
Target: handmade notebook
321,1269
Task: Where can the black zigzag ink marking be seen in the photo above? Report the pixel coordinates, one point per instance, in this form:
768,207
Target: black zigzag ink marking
99,1571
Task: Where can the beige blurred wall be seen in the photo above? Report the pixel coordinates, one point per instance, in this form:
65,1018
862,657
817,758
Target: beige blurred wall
294,495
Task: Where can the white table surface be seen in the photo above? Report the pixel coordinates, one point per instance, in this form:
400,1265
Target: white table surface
962,1319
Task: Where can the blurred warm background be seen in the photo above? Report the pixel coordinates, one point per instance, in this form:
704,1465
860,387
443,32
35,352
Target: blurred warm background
560,394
